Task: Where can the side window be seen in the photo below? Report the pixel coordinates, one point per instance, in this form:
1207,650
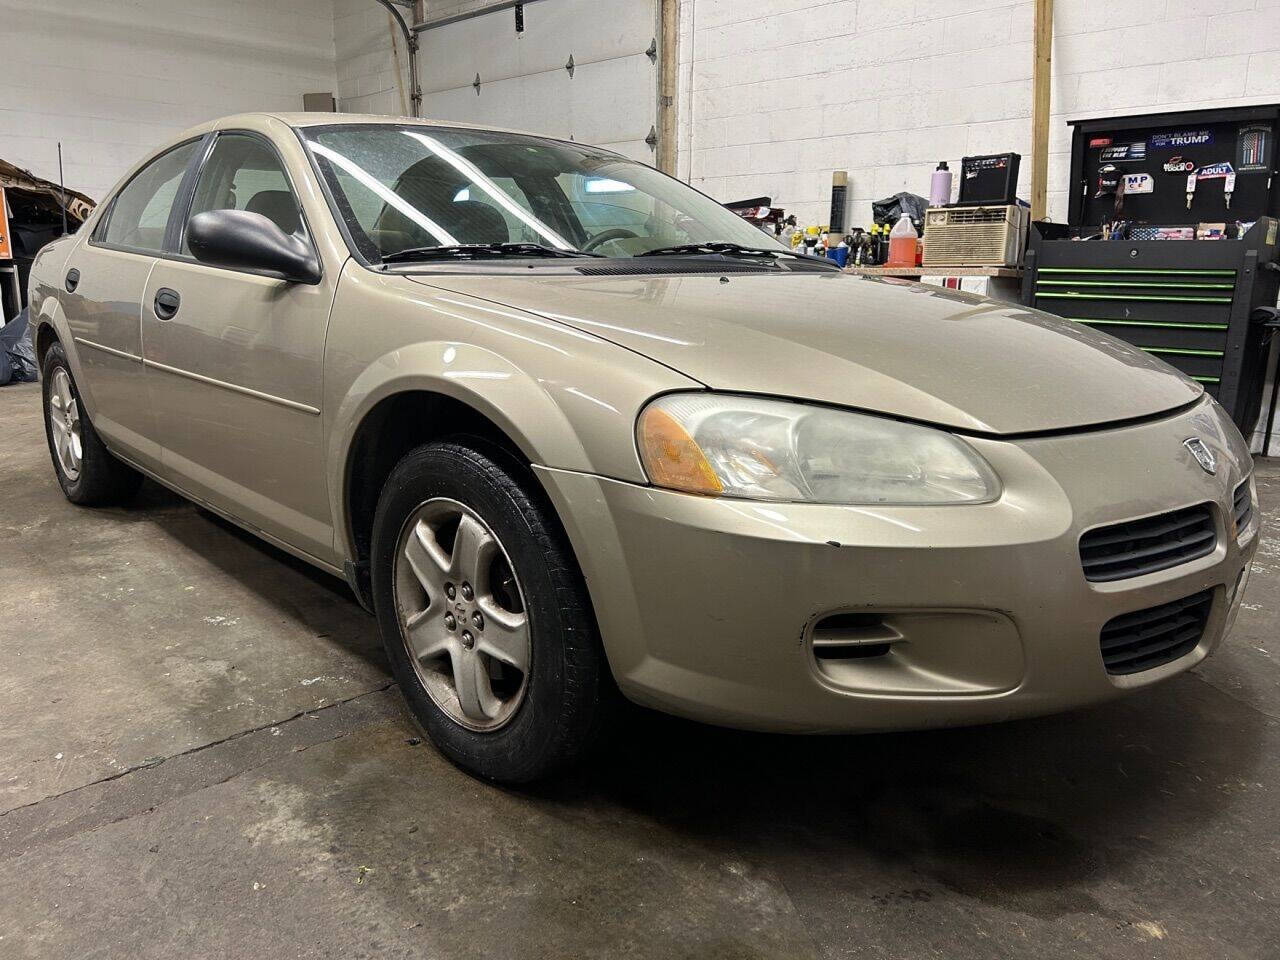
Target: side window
140,211
244,173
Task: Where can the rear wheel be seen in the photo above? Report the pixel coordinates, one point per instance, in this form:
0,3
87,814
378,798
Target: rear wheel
484,614
87,472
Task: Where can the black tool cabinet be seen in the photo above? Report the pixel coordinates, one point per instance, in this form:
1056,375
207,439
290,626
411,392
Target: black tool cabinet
1192,303
1189,302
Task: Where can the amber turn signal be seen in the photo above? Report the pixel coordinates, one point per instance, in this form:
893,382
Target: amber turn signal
671,457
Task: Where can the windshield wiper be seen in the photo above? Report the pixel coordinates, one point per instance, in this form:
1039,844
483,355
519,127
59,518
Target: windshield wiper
481,251
721,247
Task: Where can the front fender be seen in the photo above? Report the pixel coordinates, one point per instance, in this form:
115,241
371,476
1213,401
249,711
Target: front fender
482,380
566,399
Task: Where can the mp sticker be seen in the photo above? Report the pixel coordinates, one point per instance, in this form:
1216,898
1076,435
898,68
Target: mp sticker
1139,183
1180,138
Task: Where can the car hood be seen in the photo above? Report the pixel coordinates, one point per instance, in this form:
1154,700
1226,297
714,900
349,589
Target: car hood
896,347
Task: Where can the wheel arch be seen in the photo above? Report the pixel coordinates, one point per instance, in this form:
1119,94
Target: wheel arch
384,417
46,337
395,425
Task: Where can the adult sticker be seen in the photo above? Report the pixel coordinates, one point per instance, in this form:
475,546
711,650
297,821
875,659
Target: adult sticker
1179,139
1214,171
1253,148
1126,151
1179,165
1139,183
1099,142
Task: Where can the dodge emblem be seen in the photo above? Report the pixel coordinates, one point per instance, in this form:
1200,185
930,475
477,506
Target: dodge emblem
1204,456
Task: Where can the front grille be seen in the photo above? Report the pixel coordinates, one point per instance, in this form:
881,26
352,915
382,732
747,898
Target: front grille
1242,507
1135,547
1139,641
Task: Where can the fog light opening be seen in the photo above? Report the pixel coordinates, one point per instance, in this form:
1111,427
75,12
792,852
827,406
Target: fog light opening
853,636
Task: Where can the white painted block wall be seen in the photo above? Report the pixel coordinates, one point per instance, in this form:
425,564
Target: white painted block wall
366,64
112,78
776,94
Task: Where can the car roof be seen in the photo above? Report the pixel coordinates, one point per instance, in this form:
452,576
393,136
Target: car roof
315,119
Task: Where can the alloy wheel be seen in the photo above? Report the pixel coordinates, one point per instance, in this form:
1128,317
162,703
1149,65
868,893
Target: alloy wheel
64,421
462,614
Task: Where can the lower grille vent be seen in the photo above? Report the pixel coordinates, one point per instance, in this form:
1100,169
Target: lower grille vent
853,636
1242,507
1139,641
1136,547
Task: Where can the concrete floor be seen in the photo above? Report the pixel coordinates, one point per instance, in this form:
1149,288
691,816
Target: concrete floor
201,757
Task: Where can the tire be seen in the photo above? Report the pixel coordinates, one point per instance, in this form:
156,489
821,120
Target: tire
99,478
538,719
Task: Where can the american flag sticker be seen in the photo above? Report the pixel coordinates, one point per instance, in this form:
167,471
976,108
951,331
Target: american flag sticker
1253,144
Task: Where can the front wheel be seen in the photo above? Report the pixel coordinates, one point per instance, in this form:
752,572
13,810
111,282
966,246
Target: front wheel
484,614
87,472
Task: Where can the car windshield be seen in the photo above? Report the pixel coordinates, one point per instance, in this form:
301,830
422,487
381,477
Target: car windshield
403,189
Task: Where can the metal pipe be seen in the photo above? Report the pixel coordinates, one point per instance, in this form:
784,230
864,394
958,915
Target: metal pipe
62,189
411,44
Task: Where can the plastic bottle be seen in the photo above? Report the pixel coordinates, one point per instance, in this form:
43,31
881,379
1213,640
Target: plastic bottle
940,186
903,241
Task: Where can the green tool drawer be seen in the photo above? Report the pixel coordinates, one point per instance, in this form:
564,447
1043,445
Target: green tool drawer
1188,302
1181,316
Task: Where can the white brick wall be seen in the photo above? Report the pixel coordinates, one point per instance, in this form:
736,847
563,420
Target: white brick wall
366,67
775,94
112,78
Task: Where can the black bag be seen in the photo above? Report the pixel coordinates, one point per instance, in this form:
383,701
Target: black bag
17,355
891,209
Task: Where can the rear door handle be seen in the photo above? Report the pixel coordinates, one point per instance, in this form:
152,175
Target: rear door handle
73,280
166,303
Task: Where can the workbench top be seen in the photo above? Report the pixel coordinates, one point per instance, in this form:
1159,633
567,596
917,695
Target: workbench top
935,271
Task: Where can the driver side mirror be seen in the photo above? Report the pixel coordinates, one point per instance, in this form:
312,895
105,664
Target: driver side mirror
243,240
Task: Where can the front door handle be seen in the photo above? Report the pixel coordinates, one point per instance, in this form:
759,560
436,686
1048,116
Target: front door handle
73,280
166,303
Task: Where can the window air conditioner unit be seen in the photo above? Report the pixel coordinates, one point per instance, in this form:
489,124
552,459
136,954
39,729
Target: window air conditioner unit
975,236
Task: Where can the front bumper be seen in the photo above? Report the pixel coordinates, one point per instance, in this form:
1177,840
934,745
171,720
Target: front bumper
707,607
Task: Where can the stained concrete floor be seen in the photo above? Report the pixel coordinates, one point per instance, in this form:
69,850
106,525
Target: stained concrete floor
201,757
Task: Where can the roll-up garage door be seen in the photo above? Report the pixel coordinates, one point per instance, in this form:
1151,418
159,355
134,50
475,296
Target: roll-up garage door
581,69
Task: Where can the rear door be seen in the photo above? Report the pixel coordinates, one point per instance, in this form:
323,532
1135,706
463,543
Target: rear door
607,97
104,281
234,361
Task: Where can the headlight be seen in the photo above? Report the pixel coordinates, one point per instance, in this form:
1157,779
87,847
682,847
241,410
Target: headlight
732,446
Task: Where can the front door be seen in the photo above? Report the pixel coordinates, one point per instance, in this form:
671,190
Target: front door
104,281
234,363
